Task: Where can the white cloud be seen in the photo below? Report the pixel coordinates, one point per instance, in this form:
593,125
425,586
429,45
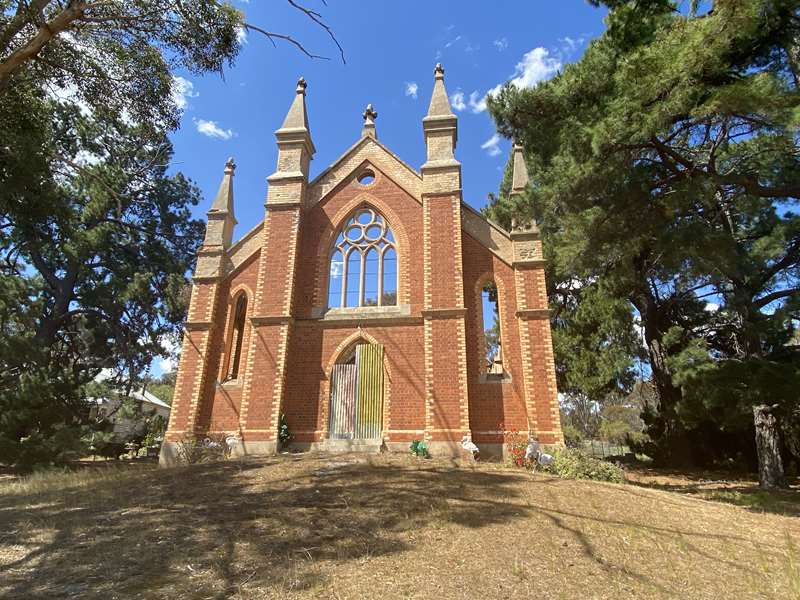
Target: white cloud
457,101
492,145
571,44
501,44
182,90
336,269
241,35
212,130
453,41
411,89
477,103
712,307
170,362
535,66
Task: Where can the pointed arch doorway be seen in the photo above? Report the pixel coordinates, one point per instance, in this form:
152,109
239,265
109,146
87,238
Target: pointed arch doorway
356,403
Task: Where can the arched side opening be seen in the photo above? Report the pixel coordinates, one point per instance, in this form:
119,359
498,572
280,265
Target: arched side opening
234,343
357,393
492,365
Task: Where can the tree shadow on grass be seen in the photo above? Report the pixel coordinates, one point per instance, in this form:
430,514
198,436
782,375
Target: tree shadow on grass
730,490
279,525
174,531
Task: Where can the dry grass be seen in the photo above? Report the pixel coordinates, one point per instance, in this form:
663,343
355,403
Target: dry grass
380,526
741,490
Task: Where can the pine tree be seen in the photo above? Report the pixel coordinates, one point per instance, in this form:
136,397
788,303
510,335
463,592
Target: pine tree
667,161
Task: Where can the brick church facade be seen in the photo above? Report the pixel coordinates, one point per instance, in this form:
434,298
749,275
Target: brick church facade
355,307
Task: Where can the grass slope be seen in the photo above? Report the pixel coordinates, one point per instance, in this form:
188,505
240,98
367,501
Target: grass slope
382,526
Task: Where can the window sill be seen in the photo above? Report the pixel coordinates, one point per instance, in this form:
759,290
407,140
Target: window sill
363,312
231,383
494,378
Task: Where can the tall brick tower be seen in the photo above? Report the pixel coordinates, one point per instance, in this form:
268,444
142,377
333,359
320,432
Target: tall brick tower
196,377
447,416
533,319
273,309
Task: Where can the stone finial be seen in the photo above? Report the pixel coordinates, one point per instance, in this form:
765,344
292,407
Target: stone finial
519,177
440,105
221,220
223,201
519,181
440,127
369,122
370,114
297,119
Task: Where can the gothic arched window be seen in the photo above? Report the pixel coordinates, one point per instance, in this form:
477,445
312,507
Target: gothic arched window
363,263
236,336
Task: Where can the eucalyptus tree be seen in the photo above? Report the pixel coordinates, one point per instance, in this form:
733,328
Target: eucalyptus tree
96,233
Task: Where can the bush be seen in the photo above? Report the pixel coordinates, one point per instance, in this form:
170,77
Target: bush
420,448
516,446
573,437
284,435
575,464
192,450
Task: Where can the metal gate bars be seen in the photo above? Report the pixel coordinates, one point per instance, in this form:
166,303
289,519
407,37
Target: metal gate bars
357,395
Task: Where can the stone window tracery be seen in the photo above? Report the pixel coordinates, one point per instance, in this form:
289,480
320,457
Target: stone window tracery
363,266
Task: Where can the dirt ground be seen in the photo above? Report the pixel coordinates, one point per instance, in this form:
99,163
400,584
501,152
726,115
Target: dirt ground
384,526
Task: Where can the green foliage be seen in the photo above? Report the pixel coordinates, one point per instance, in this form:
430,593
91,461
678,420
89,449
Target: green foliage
419,448
665,172
284,435
95,264
96,235
570,463
573,437
156,427
163,388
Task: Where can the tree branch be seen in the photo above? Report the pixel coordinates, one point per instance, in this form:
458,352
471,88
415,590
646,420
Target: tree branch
280,36
765,300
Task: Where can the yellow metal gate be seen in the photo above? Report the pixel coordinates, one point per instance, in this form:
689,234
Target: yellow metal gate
357,395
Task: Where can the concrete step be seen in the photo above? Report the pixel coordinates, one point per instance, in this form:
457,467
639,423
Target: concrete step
337,446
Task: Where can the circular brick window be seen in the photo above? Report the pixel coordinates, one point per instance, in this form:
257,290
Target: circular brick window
366,177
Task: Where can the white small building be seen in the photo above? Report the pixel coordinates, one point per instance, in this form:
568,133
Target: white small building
147,405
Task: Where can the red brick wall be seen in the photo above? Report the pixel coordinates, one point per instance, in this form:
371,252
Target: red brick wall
492,404
223,413
313,345
321,224
314,348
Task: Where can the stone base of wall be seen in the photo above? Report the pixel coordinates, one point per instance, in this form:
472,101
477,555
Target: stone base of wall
492,451
169,450
168,456
255,449
338,446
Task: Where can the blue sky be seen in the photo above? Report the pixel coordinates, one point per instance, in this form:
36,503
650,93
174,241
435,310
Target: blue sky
391,49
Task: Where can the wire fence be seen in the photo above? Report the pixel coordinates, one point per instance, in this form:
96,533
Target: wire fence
604,449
